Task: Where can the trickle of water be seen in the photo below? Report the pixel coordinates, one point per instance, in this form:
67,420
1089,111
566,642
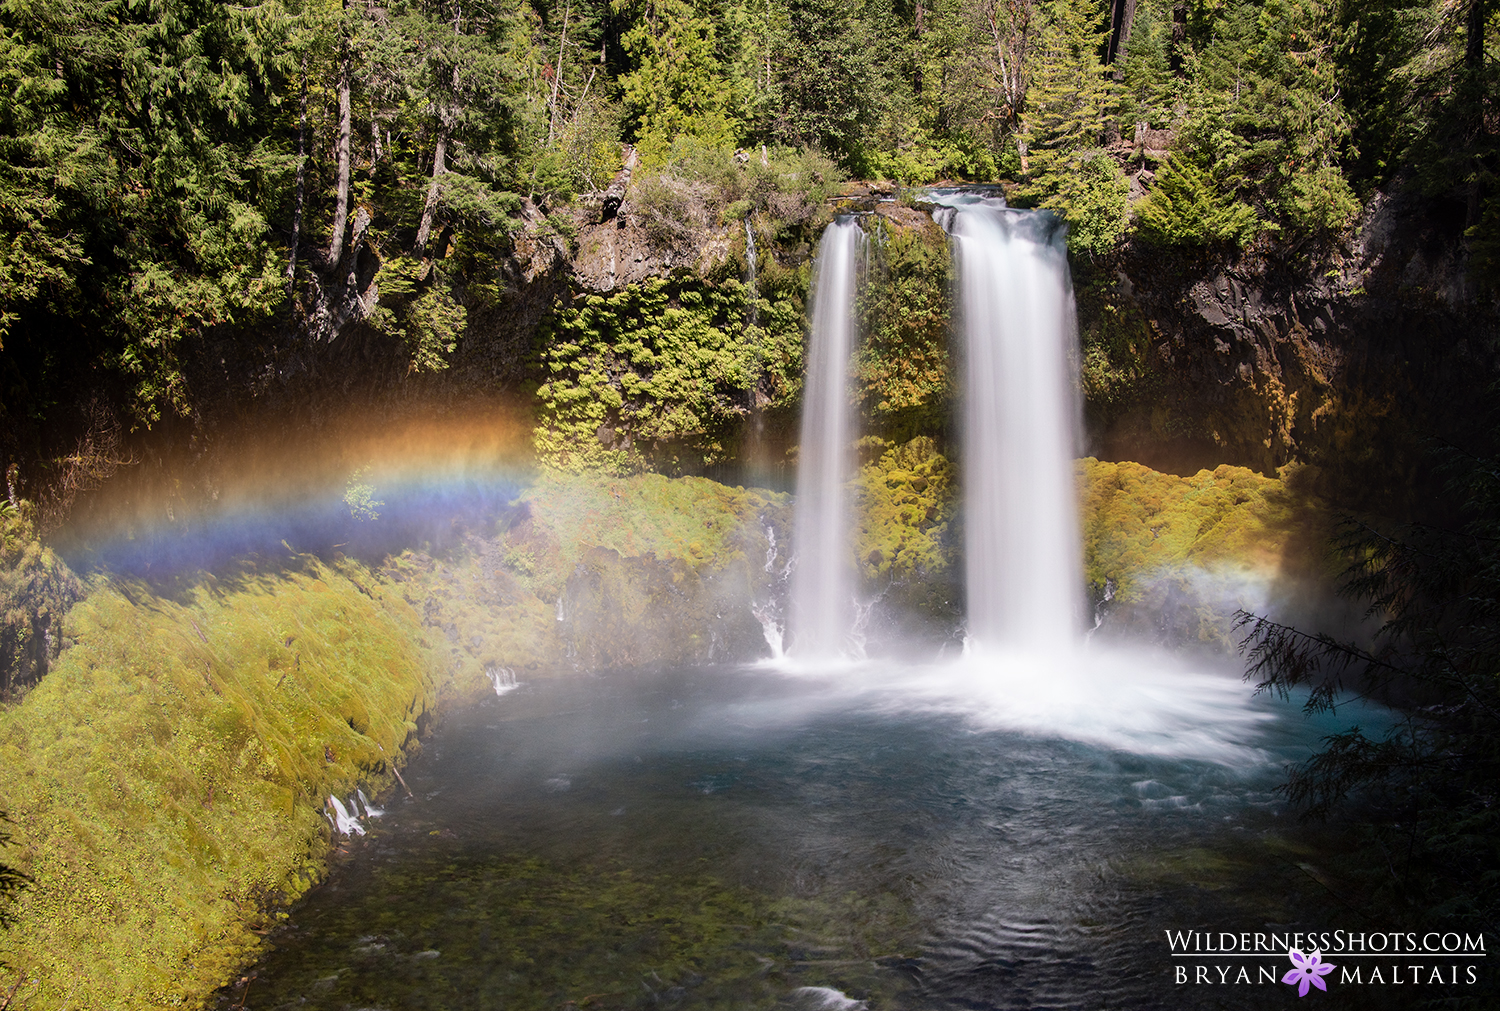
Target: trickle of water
1023,552
345,821
752,309
822,599
770,628
503,678
370,810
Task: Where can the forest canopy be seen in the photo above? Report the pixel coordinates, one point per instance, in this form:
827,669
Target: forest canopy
176,167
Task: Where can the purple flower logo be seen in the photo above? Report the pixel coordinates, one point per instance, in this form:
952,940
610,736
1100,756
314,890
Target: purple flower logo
1310,969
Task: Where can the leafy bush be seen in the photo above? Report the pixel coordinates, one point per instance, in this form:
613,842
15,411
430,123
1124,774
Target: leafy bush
659,374
701,186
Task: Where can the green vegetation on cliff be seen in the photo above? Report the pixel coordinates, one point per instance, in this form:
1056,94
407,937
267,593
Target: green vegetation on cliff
168,778
36,590
182,173
903,366
660,374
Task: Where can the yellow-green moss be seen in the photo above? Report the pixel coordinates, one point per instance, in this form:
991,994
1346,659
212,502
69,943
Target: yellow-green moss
478,612
168,776
691,518
904,501
1137,521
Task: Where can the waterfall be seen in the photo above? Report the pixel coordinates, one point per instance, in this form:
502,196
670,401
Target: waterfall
752,308
1022,550
345,821
822,599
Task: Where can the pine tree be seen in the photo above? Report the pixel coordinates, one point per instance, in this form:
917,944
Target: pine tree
1068,103
678,87
1187,208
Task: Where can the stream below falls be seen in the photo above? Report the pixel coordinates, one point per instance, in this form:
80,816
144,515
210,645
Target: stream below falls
746,837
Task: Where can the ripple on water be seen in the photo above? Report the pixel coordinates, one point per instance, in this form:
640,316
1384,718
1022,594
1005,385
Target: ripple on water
741,838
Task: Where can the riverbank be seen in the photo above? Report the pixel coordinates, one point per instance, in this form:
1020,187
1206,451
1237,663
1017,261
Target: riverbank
167,780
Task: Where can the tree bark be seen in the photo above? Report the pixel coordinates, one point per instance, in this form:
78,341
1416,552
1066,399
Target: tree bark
301,186
429,208
1474,72
1122,17
557,76
335,251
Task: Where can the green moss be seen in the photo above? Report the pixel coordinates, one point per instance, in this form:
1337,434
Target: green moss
596,571
1152,534
659,375
904,501
167,778
691,518
1138,521
902,367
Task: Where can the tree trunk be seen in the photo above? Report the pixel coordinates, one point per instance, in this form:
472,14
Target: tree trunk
557,76
1122,17
429,208
1474,85
300,188
335,251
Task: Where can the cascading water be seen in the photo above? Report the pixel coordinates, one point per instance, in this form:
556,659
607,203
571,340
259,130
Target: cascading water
1022,547
822,598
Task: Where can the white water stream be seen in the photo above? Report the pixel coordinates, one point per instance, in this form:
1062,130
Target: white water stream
822,611
1022,550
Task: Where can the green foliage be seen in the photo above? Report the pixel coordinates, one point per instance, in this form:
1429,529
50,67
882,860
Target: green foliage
905,307
1149,92
824,76
359,496
1092,197
1428,781
1267,113
167,778
678,87
1067,104
659,373
700,187
135,177
1186,208
905,506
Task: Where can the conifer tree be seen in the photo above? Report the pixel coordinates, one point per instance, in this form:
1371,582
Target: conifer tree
677,87
1185,208
1068,102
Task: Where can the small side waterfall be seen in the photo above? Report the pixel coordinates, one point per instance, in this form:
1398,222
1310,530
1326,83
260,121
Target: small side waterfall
752,308
822,610
1023,553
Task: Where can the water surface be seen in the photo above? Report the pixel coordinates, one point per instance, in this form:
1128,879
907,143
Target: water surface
742,837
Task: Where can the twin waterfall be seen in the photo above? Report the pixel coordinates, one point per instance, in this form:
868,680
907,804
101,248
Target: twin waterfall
822,604
1022,553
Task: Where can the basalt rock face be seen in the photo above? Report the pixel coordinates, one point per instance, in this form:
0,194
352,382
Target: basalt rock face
1344,360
